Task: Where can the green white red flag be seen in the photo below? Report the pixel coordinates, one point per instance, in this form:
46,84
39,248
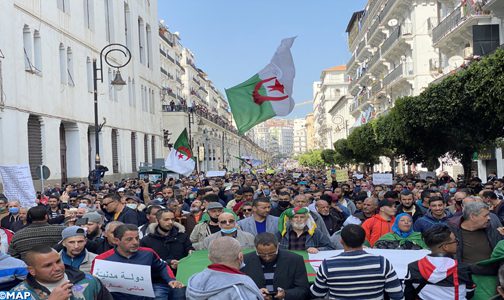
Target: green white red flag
266,94
181,160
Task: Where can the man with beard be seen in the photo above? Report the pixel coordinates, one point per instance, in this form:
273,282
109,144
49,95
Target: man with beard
206,228
93,225
332,218
170,243
150,213
74,251
408,205
297,231
284,202
261,220
369,208
193,218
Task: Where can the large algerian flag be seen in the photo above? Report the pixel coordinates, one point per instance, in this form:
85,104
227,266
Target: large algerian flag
180,160
266,94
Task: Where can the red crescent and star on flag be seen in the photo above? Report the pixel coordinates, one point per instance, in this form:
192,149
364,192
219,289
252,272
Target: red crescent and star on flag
184,151
277,86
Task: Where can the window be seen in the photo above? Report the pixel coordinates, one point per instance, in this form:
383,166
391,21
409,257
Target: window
141,40
70,69
37,51
109,20
153,103
89,14
146,149
127,33
64,5
63,62
149,45
133,152
89,71
27,48
153,148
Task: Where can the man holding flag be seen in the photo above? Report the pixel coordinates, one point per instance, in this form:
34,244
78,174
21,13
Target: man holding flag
181,160
266,94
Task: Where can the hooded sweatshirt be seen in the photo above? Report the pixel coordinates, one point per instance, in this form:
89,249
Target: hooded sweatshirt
376,227
438,277
220,282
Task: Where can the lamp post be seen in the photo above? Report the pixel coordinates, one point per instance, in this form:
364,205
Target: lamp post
118,83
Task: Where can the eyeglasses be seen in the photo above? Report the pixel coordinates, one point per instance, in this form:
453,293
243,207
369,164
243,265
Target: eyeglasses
267,254
224,222
106,204
247,209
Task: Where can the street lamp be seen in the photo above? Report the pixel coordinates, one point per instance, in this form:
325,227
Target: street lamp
118,84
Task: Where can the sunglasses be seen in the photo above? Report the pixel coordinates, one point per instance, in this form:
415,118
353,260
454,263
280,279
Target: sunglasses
224,222
247,209
106,204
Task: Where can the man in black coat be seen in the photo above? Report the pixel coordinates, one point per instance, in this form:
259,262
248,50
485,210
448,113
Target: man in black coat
279,274
169,242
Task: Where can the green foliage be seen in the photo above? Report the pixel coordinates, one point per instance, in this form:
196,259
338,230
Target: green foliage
328,156
312,159
362,142
343,155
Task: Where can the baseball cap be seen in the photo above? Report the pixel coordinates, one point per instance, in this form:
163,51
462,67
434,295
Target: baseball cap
72,231
386,202
93,217
214,205
121,190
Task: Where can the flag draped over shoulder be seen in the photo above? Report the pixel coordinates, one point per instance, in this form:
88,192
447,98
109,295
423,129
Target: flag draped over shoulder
181,160
266,94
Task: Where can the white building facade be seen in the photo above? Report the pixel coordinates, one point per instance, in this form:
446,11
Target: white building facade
299,146
327,93
47,86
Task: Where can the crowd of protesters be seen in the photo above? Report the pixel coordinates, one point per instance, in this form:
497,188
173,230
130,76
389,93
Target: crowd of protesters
50,249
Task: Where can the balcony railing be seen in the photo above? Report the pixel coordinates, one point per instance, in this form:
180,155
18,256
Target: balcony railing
394,36
203,90
458,16
350,63
386,9
373,28
376,88
165,39
374,59
164,71
361,47
196,81
404,69
179,80
162,52
170,58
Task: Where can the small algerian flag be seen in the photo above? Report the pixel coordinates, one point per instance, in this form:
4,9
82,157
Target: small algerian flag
266,94
180,160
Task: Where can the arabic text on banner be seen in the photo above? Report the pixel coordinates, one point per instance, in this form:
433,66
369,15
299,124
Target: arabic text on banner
18,184
124,278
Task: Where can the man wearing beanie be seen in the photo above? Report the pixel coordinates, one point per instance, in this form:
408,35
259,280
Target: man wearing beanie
74,251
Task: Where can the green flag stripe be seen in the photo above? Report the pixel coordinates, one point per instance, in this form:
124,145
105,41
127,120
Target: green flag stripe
245,111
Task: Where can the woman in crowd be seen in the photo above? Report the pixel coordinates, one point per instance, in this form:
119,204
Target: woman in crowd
402,236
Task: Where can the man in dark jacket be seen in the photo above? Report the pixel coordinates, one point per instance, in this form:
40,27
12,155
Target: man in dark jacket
279,273
437,214
118,211
167,240
408,205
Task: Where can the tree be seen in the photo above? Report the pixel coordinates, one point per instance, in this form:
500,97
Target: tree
343,155
312,159
362,142
328,156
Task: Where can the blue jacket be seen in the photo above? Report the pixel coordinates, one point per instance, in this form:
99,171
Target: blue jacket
249,225
428,221
12,271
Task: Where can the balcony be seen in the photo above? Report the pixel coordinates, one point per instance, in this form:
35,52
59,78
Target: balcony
179,80
399,34
164,38
203,90
351,65
164,71
170,58
363,51
458,25
376,89
375,35
402,71
196,81
162,52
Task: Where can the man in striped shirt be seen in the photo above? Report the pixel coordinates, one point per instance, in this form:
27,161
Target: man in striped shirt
356,274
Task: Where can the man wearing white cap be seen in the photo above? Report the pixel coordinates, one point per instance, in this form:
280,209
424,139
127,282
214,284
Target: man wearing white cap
74,253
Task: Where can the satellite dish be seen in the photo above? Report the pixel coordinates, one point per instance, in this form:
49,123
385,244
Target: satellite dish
392,22
455,61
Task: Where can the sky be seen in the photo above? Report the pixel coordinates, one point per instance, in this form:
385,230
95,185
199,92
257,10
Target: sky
234,39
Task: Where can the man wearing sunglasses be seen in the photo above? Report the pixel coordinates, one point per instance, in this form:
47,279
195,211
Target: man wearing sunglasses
278,274
228,227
